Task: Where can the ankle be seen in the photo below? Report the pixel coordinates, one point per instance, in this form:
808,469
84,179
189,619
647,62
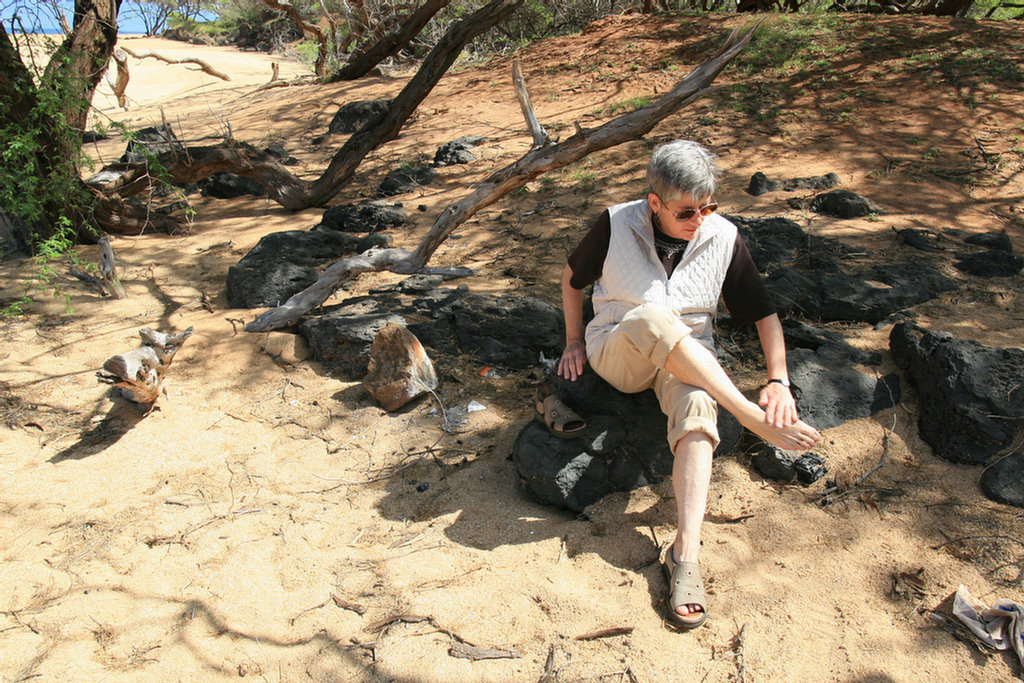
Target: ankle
683,553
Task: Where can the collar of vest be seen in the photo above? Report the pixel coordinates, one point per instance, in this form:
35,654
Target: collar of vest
638,216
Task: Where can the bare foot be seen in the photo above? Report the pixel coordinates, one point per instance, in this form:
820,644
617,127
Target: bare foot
798,436
690,613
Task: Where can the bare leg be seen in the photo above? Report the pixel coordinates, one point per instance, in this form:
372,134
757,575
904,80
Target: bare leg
692,363
691,479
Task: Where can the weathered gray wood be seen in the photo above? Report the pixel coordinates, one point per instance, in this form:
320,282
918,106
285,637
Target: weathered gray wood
185,60
138,373
540,136
109,268
317,293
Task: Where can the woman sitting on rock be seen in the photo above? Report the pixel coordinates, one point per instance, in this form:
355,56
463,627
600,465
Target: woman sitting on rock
658,266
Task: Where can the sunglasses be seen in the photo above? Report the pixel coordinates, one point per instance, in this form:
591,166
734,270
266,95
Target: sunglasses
687,214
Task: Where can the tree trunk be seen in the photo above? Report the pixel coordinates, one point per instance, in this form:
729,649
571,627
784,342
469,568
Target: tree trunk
17,92
389,45
83,56
57,194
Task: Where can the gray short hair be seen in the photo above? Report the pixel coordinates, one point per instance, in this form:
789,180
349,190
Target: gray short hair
683,167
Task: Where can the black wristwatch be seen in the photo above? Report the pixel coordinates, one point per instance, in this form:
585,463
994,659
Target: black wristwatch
776,380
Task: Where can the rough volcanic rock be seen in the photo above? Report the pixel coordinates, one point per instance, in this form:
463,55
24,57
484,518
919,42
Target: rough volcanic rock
971,397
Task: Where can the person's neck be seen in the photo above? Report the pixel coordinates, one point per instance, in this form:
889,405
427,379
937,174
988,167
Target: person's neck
660,234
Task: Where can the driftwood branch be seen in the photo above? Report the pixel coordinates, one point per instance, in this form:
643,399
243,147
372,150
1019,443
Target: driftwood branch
540,137
109,267
139,373
317,293
121,84
536,162
206,68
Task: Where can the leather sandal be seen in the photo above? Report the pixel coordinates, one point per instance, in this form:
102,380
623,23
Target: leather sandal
685,588
559,418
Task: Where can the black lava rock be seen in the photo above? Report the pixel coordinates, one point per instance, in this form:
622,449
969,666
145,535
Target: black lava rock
403,180
457,151
229,186
369,216
1003,481
844,204
971,396
991,263
353,116
998,241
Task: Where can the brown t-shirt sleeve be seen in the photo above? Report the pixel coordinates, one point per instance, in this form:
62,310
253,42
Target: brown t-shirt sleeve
587,260
745,293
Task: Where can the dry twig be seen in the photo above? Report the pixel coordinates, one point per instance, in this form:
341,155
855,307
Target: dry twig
741,666
606,633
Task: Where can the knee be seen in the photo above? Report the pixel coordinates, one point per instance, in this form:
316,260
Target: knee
649,319
694,439
654,330
700,404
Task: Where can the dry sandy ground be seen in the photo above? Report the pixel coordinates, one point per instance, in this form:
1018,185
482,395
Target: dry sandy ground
268,521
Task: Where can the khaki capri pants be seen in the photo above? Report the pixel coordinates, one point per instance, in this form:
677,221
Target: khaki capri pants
631,357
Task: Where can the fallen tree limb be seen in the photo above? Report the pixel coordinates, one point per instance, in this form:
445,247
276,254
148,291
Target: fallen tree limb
536,162
206,68
317,293
198,163
117,217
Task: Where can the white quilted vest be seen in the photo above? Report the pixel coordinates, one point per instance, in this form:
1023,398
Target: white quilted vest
633,276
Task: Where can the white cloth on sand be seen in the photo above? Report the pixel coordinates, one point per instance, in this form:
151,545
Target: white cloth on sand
1001,625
